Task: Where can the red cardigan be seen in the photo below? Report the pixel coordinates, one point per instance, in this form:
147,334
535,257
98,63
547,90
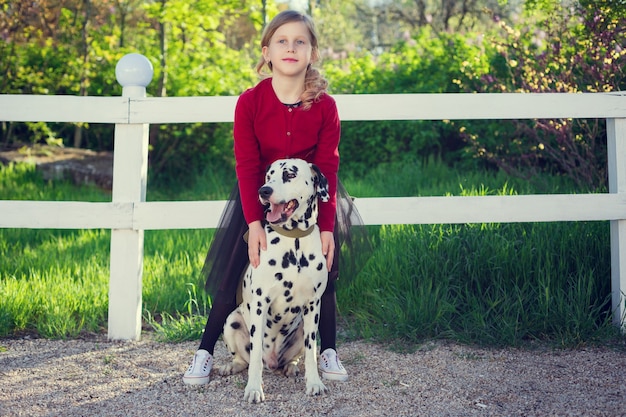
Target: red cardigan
266,130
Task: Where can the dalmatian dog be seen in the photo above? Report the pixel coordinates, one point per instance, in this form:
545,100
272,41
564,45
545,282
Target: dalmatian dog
276,322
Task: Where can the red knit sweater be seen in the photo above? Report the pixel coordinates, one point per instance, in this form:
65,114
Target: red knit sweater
266,130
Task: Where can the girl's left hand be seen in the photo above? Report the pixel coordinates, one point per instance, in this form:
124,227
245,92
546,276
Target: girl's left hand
328,248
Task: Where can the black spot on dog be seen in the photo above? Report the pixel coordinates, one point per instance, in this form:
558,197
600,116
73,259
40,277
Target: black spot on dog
303,261
252,330
249,347
317,318
288,284
320,266
275,240
289,258
287,292
258,312
278,276
259,291
272,262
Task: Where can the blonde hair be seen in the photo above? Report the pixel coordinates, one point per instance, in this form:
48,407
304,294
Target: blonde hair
314,83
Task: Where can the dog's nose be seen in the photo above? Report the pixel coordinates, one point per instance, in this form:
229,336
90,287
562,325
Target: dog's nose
265,192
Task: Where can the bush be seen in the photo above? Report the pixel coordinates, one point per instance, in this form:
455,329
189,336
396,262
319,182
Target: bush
423,64
579,52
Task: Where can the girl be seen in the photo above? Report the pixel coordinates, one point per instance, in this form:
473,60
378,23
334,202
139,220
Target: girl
287,114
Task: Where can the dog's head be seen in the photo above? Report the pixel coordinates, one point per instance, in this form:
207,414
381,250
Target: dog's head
290,192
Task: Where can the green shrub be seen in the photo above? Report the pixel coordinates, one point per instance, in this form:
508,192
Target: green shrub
423,64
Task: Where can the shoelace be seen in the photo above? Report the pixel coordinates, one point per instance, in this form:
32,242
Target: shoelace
196,360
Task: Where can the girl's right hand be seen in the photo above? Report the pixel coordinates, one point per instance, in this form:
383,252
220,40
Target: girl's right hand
256,242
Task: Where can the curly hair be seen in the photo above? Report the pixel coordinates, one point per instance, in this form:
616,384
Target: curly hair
314,83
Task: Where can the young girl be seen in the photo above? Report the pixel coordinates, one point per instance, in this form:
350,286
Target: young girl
286,115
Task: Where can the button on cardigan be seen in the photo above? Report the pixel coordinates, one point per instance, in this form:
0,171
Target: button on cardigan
266,130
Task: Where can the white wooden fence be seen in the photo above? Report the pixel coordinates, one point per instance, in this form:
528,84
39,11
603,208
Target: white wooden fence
128,214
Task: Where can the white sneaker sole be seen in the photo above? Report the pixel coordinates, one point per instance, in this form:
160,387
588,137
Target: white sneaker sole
196,380
334,377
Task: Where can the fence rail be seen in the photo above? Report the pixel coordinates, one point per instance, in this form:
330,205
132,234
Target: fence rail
128,215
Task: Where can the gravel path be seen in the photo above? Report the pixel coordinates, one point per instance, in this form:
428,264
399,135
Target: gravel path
96,378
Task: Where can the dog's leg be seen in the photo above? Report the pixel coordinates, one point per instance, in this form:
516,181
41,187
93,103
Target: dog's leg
314,384
258,313
291,369
237,340
295,350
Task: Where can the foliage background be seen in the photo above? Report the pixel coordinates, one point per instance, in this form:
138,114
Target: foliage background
206,47
498,284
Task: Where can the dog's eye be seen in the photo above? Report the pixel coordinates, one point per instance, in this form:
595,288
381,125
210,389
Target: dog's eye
288,175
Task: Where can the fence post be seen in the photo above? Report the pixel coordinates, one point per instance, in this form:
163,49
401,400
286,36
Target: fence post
616,147
130,170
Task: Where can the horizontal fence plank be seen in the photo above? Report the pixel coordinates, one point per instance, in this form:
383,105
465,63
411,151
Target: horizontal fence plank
178,215
213,109
374,211
452,106
480,106
65,215
402,107
492,209
40,108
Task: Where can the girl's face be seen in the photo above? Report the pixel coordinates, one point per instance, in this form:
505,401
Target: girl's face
289,50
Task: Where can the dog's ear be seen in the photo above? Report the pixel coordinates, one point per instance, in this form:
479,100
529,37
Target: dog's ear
320,182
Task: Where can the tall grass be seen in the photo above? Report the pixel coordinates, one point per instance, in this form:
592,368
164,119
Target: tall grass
488,284
494,284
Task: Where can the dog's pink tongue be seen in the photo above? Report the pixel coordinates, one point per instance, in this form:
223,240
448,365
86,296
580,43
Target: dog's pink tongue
275,214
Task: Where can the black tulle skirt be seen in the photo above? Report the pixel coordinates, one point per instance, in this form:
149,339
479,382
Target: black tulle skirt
227,258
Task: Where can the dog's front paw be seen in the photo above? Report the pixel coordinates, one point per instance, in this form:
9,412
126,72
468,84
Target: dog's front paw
254,394
316,387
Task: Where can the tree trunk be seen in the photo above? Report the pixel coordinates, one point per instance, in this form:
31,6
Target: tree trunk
161,88
78,128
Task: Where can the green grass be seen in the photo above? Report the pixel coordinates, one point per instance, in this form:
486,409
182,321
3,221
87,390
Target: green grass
491,284
487,284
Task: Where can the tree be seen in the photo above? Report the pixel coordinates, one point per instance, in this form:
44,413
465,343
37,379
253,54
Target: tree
390,21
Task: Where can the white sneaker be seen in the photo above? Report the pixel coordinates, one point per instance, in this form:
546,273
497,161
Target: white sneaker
200,369
331,366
